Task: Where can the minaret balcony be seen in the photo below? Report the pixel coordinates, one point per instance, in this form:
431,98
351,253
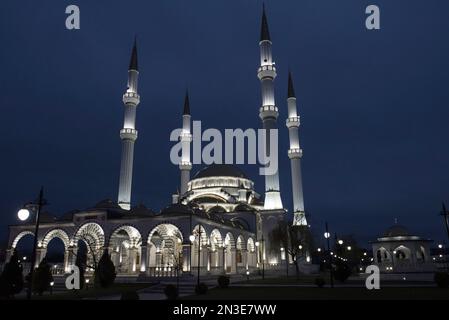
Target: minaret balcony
185,165
268,71
293,122
295,153
268,112
185,136
128,134
131,98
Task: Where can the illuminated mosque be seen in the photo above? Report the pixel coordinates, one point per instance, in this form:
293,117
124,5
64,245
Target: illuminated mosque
216,221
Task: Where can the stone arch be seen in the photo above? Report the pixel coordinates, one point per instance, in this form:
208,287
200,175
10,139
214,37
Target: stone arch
250,245
125,243
240,246
402,253
421,254
216,239
229,240
251,253
91,233
165,247
204,237
56,233
216,244
131,231
230,253
240,243
382,255
19,237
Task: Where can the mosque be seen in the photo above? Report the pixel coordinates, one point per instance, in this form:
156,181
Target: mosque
216,222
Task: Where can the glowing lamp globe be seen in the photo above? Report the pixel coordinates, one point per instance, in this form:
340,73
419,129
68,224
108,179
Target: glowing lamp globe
327,235
192,238
340,242
23,214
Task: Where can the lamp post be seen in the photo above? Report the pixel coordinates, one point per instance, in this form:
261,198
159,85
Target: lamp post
262,248
259,247
191,241
23,215
327,235
192,238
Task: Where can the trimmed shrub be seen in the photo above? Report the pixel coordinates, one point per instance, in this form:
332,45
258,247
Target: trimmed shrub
320,282
201,288
223,282
441,279
171,292
105,272
42,277
11,279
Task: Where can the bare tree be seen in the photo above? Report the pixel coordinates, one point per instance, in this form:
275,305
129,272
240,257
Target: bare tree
296,241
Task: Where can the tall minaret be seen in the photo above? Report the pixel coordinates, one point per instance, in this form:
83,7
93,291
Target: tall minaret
129,133
268,111
186,138
295,154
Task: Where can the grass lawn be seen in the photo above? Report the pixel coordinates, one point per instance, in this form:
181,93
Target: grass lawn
303,279
92,293
314,293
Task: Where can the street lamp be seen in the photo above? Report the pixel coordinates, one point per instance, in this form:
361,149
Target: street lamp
349,248
23,215
327,235
340,242
192,239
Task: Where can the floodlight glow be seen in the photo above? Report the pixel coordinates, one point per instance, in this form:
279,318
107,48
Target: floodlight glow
23,214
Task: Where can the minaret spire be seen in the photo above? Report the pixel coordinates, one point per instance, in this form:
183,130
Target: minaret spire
186,104
186,138
133,65
128,134
268,113
295,155
264,31
291,88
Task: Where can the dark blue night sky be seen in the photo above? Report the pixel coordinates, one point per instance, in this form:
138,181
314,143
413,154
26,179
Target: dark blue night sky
374,104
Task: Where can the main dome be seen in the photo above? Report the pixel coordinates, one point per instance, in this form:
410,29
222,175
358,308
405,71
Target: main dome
220,170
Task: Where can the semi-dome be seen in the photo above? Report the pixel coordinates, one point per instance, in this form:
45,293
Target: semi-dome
220,170
396,231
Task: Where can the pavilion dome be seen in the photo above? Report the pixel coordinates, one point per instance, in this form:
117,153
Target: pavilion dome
396,231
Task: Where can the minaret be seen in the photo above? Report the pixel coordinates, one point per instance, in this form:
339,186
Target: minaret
268,111
128,134
295,155
186,138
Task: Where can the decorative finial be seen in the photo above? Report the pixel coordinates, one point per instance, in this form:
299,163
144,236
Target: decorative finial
186,104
